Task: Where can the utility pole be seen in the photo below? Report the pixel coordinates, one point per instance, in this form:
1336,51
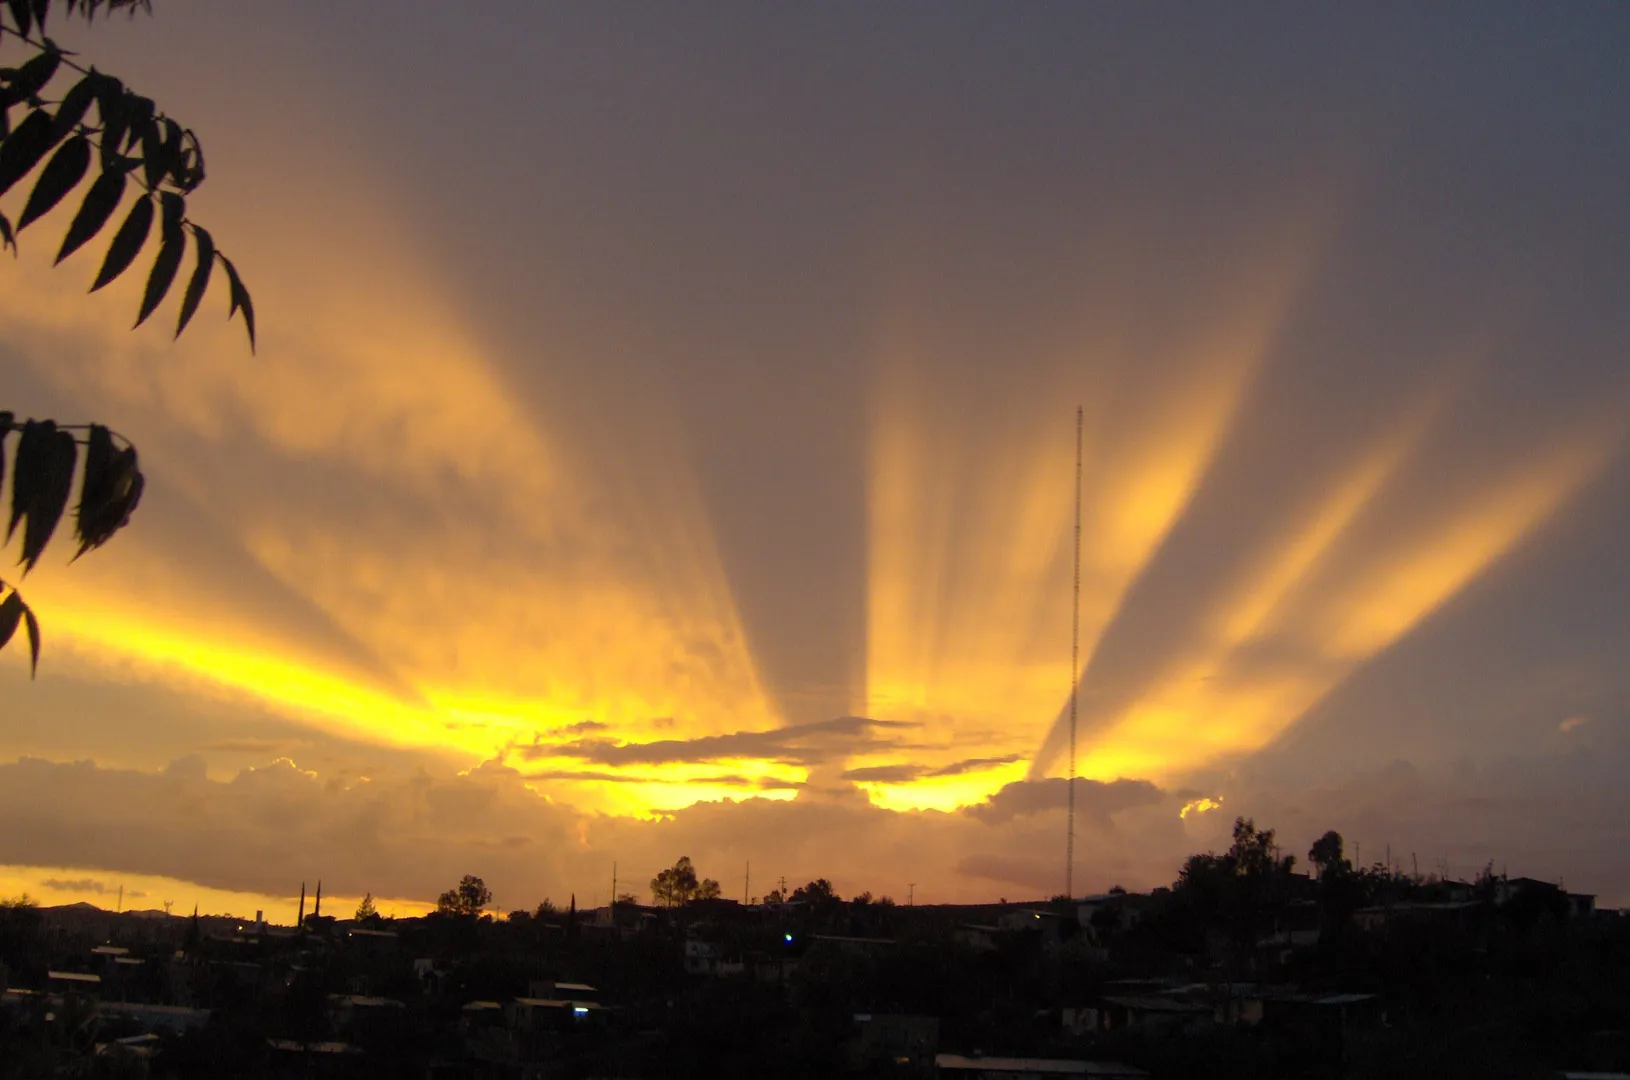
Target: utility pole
747,884
911,894
614,884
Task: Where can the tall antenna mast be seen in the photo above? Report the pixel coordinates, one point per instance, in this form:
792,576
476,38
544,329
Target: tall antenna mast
1075,668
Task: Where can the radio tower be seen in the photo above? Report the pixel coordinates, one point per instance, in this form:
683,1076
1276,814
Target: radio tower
1075,668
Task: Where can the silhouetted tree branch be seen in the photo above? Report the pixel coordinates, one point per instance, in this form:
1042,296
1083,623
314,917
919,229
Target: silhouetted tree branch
59,138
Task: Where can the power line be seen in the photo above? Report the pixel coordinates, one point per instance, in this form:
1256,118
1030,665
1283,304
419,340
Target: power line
1075,669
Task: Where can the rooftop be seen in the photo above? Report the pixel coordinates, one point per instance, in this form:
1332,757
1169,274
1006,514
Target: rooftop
1036,1065
73,976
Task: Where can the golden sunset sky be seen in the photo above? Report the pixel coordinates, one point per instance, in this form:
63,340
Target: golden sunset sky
661,441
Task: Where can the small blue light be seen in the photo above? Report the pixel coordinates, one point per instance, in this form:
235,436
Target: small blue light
788,937
580,1010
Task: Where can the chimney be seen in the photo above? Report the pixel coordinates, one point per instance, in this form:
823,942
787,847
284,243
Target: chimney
317,908
301,920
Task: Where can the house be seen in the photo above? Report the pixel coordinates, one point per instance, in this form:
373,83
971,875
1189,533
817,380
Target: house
1281,945
1233,1004
847,947
1003,1068
553,1014
480,1014
1460,913
977,937
1327,1015
772,970
325,1059
1160,1015
372,942
171,1018
74,982
564,991
369,1022
1051,927
1113,912
432,973
701,957
894,1037
1508,889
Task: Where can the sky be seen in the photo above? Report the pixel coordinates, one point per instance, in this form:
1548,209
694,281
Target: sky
661,442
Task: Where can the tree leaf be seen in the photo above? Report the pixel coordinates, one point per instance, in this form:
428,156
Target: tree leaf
74,105
199,282
30,142
32,76
192,162
94,489
121,489
152,152
7,422
112,104
33,641
240,299
22,15
50,498
173,160
169,254
33,447
139,113
126,242
65,169
100,202
7,237
11,613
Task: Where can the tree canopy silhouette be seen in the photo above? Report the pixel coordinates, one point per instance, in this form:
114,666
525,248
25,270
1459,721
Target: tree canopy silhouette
468,899
678,884
135,148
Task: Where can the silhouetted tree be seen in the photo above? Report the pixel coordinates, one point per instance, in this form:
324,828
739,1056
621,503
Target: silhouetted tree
469,899
1326,854
366,911
130,138
1233,891
819,896
678,885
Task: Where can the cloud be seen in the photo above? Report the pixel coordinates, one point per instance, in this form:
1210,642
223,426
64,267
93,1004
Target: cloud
251,745
797,744
755,783
1035,874
1094,798
410,835
81,885
901,774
